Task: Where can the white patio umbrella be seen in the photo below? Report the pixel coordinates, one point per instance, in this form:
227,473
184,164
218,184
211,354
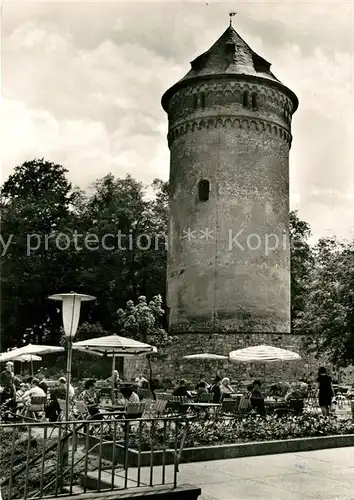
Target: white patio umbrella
28,358
262,354
25,358
206,356
112,346
29,349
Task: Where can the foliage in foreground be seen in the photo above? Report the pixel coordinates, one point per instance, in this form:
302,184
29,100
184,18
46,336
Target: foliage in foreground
25,451
250,429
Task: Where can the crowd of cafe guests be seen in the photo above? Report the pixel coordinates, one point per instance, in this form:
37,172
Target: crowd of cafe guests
16,393
254,396
221,389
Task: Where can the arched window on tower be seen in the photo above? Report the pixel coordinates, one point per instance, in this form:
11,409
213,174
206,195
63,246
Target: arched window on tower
203,190
202,100
254,100
245,99
195,101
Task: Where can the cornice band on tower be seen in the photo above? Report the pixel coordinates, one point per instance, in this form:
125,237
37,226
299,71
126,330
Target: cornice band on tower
229,83
242,123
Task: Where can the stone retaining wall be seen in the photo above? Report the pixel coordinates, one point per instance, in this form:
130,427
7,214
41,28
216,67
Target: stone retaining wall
172,365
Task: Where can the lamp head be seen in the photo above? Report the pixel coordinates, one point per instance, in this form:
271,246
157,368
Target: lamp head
71,310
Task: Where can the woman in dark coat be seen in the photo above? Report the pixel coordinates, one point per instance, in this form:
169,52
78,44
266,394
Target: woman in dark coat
326,391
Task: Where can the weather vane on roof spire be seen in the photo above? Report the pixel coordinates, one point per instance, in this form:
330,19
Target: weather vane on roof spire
232,14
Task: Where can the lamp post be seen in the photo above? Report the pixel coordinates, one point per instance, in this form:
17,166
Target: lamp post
71,315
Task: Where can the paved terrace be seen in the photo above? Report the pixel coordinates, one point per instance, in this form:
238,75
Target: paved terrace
315,475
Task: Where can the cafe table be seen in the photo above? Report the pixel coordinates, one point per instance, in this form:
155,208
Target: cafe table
272,404
202,406
113,410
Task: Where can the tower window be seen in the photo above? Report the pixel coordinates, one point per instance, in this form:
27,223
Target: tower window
202,100
254,100
245,99
195,101
203,190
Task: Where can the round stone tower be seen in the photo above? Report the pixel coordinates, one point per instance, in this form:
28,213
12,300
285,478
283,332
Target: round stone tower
229,137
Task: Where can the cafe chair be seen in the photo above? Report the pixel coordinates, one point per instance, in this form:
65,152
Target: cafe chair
177,404
135,410
81,410
35,409
230,406
205,398
296,406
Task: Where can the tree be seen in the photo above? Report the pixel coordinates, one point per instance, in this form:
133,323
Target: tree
37,201
143,322
327,317
301,262
125,263
61,239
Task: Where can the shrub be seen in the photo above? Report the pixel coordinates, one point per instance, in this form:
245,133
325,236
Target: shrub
251,428
24,451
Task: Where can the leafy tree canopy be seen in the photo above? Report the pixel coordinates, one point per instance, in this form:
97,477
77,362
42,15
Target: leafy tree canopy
327,316
56,238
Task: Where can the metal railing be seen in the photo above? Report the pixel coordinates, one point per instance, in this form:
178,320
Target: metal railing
44,459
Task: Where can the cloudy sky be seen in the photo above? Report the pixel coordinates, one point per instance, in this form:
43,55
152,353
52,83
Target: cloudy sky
82,82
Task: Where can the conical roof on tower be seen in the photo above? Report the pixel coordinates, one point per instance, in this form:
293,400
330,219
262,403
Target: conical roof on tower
230,55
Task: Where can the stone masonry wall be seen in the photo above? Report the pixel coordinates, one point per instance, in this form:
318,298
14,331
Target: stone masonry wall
173,367
243,153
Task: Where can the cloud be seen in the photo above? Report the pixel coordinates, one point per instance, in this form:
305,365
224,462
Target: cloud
84,147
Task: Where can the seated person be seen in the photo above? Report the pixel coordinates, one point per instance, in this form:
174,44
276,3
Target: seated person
33,391
245,404
90,398
203,382
226,387
42,383
130,397
215,390
116,379
295,392
276,391
202,389
23,388
140,381
19,394
257,398
181,390
59,392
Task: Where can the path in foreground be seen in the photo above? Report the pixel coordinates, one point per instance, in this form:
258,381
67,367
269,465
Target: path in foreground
315,475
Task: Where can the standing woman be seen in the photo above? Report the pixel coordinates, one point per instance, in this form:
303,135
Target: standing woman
326,391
